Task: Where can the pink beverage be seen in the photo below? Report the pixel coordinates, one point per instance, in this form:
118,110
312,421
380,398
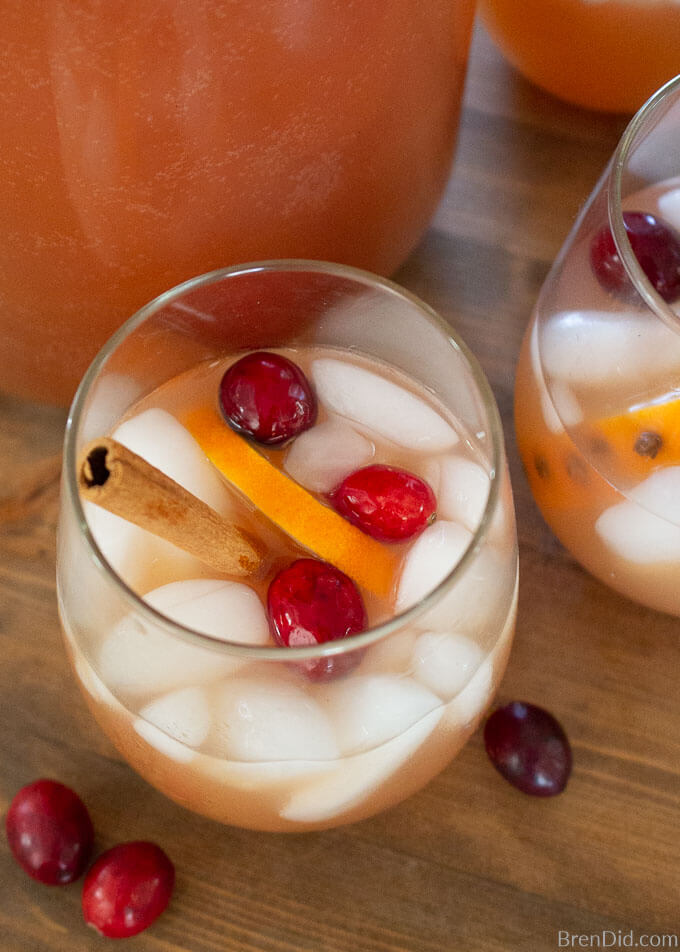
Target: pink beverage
194,674
597,406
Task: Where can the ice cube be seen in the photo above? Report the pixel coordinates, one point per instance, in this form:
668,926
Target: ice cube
383,407
141,657
466,709
430,559
637,535
645,529
560,407
569,414
461,487
549,413
266,719
320,458
477,598
162,440
391,655
660,493
142,559
163,743
419,347
183,714
566,405
111,396
552,420
228,611
669,207
593,348
357,777
367,710
445,663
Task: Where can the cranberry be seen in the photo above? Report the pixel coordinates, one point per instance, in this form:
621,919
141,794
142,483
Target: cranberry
127,888
50,832
267,397
387,503
311,602
655,245
529,748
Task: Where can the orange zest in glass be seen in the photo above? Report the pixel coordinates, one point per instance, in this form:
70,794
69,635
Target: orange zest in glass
290,506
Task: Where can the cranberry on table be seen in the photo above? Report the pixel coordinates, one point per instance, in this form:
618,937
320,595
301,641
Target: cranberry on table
655,245
385,502
127,888
528,746
311,602
50,832
267,397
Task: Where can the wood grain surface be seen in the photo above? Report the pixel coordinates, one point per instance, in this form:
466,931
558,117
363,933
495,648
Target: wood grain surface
469,863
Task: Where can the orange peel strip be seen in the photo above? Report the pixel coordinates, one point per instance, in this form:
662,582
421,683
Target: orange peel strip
288,504
653,428
559,477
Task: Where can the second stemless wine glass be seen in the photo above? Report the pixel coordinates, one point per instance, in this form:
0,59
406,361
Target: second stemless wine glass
238,731
597,403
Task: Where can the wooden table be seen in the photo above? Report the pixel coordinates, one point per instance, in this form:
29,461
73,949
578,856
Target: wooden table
469,863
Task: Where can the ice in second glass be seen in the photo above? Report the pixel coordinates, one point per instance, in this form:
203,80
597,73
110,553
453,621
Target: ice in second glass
186,680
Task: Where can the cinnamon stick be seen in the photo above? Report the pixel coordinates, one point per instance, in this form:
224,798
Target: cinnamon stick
113,477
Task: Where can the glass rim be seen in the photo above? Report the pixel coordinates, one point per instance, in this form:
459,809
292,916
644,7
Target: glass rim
268,652
620,159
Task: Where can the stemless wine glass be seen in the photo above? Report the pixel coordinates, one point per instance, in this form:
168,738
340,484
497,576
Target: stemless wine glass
240,731
146,141
597,403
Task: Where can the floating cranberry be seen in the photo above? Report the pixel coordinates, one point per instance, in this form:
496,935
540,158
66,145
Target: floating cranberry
127,888
50,832
386,503
266,396
310,603
529,748
656,247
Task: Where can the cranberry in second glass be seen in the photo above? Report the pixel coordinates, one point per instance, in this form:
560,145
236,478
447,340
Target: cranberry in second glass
529,748
656,247
312,602
267,397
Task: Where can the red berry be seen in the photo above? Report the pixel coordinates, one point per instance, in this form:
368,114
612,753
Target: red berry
310,603
50,832
386,503
267,397
529,748
127,888
654,244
